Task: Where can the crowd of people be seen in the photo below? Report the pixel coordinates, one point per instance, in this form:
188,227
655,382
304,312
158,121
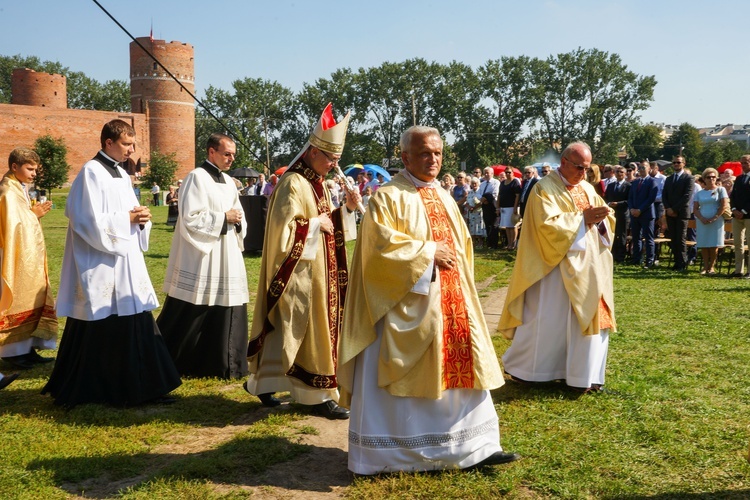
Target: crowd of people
394,341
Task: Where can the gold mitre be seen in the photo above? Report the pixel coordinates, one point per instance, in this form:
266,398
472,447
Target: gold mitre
328,135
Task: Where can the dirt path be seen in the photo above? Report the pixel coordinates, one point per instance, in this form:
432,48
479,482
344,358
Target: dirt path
320,474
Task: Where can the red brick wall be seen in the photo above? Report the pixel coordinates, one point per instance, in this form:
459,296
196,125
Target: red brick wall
21,125
163,114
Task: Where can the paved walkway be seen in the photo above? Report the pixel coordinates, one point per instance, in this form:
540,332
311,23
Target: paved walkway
492,305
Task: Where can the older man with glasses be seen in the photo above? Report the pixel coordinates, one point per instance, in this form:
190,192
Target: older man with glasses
559,308
303,279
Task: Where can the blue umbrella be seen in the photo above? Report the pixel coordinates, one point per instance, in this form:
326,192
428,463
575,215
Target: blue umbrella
352,169
377,169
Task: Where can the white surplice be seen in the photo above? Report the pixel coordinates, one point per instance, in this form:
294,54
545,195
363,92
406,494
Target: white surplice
206,267
103,271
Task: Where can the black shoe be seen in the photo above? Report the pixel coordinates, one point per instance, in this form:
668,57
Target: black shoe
35,358
497,458
331,411
7,379
20,362
268,400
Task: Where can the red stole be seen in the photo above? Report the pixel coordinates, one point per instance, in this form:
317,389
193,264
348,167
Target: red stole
458,364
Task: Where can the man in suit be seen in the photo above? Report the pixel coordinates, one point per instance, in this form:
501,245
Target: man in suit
529,179
740,203
641,203
489,190
616,197
676,197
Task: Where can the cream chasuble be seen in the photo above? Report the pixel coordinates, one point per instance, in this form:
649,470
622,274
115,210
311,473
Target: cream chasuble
395,249
303,280
552,224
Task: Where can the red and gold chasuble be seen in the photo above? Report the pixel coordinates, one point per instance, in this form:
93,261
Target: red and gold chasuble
582,203
458,365
334,250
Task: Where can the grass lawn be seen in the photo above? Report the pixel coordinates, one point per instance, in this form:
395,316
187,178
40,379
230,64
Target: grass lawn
673,426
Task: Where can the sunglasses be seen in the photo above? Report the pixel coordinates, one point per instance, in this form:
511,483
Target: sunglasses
579,167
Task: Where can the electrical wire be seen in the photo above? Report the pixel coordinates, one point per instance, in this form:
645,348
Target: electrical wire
200,103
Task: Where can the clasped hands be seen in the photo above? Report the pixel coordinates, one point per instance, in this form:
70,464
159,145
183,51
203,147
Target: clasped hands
234,216
594,215
140,215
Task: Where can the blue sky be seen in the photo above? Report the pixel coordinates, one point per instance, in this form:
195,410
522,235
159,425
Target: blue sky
694,49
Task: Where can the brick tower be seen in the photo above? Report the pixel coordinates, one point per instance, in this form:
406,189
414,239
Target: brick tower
31,88
170,110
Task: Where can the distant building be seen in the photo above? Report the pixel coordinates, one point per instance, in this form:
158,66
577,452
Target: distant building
728,132
162,113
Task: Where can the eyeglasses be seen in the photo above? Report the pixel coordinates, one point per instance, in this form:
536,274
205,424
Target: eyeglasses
677,163
710,177
332,161
579,167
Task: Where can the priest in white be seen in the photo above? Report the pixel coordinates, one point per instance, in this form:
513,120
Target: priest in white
111,350
416,362
204,319
559,308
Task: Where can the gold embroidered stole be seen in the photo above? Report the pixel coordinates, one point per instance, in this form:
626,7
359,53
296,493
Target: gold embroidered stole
582,203
458,364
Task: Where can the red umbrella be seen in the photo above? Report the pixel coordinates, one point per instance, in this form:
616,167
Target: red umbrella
734,166
281,170
500,170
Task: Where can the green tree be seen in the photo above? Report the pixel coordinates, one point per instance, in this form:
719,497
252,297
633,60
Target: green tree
87,93
457,111
161,170
685,141
647,143
588,95
254,112
53,172
392,97
505,84
716,153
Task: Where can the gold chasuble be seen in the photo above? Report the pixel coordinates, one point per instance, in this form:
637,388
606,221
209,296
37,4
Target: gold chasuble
27,308
457,359
301,300
552,221
430,341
